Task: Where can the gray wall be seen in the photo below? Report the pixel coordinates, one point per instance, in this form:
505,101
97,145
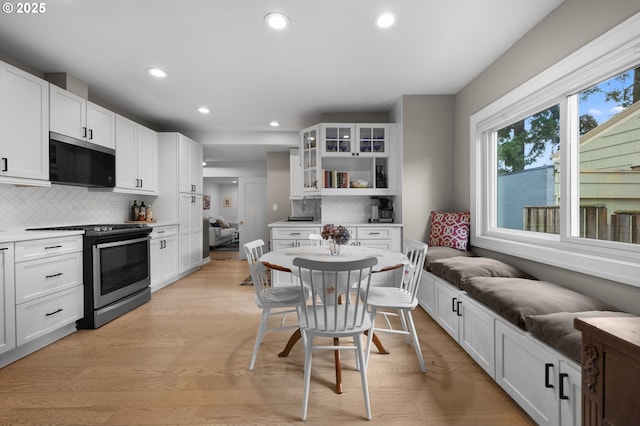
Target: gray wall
278,186
428,165
572,25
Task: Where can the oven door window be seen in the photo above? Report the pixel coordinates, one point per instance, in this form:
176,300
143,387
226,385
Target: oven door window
121,265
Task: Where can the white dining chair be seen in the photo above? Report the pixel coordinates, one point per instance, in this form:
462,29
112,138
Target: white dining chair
335,311
400,300
315,239
274,301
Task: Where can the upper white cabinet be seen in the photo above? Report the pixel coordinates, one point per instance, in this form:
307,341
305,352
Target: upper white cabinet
75,116
354,140
347,159
136,157
24,127
190,170
310,160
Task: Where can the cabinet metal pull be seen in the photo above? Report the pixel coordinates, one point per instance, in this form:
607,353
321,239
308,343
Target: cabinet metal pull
458,308
295,233
453,304
141,183
5,167
52,247
90,134
547,375
54,275
4,248
54,312
84,132
374,233
561,379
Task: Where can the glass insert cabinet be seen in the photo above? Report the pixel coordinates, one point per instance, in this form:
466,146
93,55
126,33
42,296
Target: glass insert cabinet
341,140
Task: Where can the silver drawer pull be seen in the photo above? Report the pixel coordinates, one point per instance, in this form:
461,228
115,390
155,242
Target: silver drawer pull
374,233
54,312
54,275
295,233
52,247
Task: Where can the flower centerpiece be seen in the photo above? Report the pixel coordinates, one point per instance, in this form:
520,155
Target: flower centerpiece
337,236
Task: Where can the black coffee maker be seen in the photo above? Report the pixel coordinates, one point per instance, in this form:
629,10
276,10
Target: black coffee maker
382,211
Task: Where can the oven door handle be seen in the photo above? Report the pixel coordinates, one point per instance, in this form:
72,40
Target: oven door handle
122,242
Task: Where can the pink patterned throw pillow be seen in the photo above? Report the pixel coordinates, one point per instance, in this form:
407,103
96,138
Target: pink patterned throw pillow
449,230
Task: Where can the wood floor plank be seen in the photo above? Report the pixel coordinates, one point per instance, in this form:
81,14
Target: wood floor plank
182,359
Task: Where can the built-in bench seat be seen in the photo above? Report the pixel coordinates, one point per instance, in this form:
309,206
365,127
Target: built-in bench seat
519,330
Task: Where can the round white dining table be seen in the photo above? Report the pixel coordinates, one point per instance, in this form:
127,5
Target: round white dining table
282,260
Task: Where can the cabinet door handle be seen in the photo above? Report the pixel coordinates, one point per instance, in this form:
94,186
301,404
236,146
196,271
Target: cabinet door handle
52,247
562,376
141,183
54,275
54,312
458,308
90,134
5,166
547,375
374,233
453,304
84,132
294,233
4,248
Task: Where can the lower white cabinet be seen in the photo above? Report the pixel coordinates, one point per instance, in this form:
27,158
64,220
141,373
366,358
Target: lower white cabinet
190,230
286,237
49,288
545,384
542,381
7,299
163,257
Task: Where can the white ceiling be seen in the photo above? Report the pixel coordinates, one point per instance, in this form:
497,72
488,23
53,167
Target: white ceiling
220,54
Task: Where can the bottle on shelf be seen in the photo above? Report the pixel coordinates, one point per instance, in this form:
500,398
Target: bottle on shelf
142,214
149,213
135,210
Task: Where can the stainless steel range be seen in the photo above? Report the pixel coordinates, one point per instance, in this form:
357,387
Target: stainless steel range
115,270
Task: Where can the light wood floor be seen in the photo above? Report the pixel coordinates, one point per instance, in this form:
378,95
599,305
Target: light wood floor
182,359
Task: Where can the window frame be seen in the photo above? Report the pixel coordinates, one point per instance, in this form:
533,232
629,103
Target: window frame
614,52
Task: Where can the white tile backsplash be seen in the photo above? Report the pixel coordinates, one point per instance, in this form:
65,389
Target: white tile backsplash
345,209
32,207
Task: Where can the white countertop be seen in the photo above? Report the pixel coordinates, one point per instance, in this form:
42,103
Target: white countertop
21,235
297,224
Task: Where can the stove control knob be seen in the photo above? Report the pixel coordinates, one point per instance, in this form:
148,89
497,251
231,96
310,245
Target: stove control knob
96,228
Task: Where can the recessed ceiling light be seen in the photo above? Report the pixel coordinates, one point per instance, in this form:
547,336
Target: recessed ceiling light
157,72
386,19
277,20
204,163
274,124
203,110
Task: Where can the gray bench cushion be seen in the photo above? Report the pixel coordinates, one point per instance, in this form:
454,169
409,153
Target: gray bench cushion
557,329
459,269
435,253
516,298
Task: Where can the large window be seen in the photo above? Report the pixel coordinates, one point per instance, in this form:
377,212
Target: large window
557,163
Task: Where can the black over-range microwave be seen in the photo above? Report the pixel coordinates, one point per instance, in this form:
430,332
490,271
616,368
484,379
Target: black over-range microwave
77,162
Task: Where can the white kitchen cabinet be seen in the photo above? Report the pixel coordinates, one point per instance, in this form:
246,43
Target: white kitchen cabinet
163,257
190,171
354,140
75,116
49,287
546,385
24,123
296,181
286,237
180,164
310,160
7,299
384,237
136,158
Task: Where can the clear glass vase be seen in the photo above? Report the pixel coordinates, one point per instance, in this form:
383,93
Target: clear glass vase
334,248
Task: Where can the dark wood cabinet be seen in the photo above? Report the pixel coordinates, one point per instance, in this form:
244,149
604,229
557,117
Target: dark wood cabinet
610,371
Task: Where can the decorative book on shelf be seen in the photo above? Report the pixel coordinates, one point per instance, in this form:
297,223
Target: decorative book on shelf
335,179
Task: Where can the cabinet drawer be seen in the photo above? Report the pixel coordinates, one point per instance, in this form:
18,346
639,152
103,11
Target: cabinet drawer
41,277
46,314
293,233
163,231
37,249
367,233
